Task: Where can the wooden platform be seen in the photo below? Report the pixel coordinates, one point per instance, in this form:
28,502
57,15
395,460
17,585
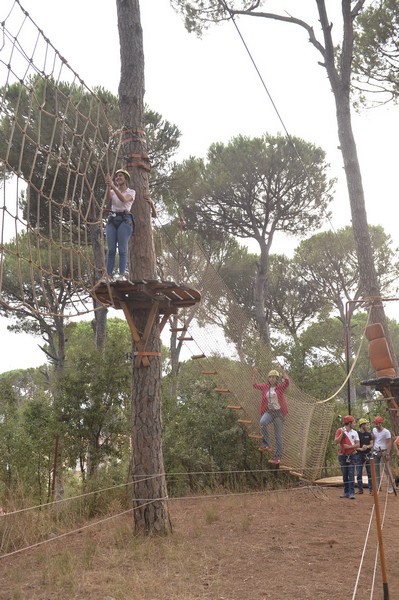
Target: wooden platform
338,482
169,295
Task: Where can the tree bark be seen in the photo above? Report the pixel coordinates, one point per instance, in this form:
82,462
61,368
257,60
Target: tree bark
150,491
261,289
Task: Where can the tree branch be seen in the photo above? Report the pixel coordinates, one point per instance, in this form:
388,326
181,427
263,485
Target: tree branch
289,19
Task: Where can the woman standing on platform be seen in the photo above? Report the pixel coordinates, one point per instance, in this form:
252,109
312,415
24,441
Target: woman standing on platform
120,225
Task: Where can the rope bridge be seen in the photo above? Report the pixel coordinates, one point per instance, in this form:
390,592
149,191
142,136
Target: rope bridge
58,139
213,334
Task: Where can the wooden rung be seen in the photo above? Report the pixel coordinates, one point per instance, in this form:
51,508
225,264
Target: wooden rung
255,436
187,339
146,353
222,390
244,421
174,329
235,407
197,356
296,474
209,372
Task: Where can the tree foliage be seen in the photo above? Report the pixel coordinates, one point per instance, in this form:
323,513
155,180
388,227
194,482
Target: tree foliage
254,188
376,51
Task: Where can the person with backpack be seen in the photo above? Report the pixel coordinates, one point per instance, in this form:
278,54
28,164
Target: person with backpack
363,455
347,440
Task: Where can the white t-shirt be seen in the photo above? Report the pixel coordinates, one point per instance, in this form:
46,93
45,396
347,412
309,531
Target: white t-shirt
119,206
273,399
380,438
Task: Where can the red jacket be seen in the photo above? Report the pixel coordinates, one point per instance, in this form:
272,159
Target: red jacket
280,389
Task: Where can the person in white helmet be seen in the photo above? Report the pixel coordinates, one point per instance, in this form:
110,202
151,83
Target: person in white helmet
273,409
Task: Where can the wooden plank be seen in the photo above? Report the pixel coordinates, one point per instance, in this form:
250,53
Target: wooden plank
163,321
196,356
147,330
134,332
222,390
235,407
244,421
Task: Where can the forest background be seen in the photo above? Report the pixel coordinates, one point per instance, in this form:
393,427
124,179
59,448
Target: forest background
309,336
192,81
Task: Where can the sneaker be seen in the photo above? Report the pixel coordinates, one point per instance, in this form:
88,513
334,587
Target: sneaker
275,461
264,448
352,497
120,277
106,278
359,492
371,492
344,496
390,491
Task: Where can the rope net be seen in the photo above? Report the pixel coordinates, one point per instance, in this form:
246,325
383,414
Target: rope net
56,144
57,141
215,334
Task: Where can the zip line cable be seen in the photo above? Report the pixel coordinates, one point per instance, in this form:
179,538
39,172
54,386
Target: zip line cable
274,105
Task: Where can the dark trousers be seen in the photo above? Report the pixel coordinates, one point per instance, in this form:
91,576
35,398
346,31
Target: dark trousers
348,475
361,461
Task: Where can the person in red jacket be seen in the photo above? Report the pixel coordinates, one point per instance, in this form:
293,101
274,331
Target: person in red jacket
347,440
273,409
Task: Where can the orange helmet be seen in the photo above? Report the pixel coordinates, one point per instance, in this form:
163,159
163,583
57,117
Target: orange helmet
348,419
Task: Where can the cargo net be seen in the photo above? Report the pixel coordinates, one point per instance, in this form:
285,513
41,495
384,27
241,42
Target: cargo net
56,145
58,139
219,336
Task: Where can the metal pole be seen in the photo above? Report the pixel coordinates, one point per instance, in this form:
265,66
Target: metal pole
379,532
347,326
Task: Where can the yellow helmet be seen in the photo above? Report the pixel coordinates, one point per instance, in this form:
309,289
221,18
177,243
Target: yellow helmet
126,173
362,422
273,373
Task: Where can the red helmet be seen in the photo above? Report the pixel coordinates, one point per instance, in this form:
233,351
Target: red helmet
348,419
378,420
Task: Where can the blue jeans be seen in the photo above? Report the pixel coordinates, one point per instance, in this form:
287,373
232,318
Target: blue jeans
360,462
377,462
118,231
348,475
275,417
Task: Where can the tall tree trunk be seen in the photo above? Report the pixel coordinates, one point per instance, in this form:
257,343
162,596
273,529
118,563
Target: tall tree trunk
340,83
99,323
261,290
150,493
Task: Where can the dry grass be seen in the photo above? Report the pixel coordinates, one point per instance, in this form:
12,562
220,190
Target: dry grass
273,545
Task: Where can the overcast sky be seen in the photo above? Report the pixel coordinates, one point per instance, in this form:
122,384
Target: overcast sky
209,88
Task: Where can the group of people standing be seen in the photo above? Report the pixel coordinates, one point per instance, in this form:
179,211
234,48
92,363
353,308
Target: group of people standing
356,448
